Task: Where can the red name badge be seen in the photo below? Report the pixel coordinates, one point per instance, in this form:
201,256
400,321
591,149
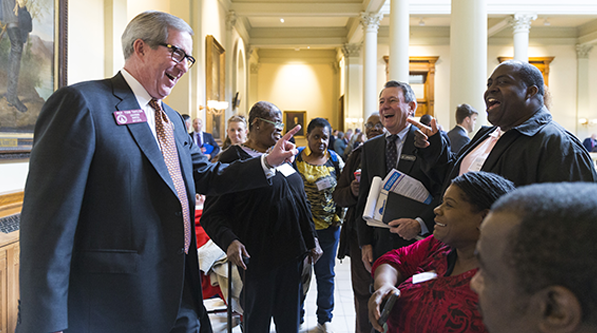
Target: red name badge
130,117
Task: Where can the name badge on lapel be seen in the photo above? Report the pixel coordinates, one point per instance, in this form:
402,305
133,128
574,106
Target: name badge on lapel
409,158
127,117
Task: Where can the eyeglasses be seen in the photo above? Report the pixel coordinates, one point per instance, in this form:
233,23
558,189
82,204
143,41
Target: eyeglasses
378,126
178,54
277,124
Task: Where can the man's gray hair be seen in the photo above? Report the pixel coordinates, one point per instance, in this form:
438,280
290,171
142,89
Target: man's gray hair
151,27
407,91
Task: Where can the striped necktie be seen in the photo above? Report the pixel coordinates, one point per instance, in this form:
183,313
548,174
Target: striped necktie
165,134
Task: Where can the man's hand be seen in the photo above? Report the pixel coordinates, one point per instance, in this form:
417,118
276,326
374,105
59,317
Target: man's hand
405,228
315,253
235,252
367,256
424,132
284,150
354,188
375,303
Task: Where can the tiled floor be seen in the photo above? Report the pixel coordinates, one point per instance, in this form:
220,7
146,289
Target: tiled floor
344,316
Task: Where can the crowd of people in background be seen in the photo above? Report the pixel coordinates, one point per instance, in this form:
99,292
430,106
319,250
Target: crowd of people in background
106,240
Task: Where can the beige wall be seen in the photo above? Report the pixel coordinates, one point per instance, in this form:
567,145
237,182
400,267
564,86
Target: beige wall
299,87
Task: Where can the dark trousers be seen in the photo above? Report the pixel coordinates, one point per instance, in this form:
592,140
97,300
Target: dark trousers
361,281
191,312
276,294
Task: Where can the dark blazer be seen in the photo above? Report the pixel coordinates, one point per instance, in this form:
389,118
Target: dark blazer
590,144
209,139
101,227
458,138
373,163
537,151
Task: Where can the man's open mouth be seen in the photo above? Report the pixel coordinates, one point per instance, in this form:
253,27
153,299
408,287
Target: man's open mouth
492,103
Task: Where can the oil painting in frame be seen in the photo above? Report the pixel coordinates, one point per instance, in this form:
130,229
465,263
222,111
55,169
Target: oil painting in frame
215,75
42,32
293,118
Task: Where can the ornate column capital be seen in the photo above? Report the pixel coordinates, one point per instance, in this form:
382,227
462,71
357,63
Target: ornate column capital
231,20
370,21
255,68
249,51
521,22
583,50
351,50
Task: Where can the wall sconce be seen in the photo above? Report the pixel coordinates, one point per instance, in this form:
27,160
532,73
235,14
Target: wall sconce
215,107
587,122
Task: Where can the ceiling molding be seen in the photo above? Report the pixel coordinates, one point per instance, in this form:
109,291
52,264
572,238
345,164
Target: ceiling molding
496,28
297,9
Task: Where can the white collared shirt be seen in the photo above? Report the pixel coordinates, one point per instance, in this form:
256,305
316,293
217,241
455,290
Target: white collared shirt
143,98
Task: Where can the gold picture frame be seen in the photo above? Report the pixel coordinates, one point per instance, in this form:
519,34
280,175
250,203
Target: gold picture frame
293,118
41,73
215,76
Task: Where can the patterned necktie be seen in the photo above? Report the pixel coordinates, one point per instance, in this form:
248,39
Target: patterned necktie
165,134
391,152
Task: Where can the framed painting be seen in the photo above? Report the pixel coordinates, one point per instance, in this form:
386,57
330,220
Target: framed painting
293,118
33,45
215,75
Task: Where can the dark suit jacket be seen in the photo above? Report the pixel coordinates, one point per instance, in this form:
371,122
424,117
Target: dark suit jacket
458,138
209,139
373,163
590,144
537,151
101,227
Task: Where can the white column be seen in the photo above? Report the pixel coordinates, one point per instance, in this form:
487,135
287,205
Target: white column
353,95
521,25
468,56
399,40
115,22
582,89
370,23
230,64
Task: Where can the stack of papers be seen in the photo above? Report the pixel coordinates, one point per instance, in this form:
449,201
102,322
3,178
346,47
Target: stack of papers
398,195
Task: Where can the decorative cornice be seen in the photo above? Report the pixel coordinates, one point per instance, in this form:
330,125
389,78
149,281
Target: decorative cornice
231,20
583,50
371,21
351,50
521,22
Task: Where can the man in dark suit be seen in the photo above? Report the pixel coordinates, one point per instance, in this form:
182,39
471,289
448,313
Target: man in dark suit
397,102
590,143
106,240
204,140
525,145
466,116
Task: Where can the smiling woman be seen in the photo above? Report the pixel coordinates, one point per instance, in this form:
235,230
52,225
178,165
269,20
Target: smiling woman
441,301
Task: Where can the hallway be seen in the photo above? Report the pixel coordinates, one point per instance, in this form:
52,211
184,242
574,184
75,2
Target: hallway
344,316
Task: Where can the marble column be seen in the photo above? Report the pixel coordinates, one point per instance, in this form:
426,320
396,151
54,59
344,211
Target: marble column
521,25
582,90
399,40
370,23
468,57
353,91
230,64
